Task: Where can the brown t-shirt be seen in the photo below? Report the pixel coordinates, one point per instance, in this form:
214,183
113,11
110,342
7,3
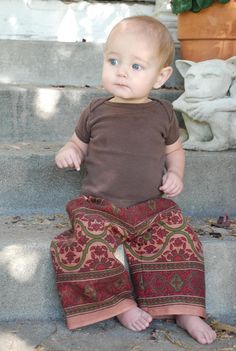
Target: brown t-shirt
126,153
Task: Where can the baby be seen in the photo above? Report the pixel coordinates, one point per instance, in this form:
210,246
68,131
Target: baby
132,153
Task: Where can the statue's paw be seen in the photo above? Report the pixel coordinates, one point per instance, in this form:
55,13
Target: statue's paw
205,146
215,147
197,117
192,145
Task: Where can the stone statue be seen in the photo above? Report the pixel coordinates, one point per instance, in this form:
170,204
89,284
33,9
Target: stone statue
208,104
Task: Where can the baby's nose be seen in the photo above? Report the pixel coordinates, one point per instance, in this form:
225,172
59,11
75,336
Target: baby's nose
122,71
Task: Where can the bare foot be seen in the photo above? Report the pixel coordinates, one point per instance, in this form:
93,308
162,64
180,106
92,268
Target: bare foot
197,328
135,319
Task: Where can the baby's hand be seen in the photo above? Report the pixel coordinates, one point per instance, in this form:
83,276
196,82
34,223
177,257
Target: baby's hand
172,184
68,157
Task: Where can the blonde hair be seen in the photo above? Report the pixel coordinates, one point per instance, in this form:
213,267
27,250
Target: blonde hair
156,30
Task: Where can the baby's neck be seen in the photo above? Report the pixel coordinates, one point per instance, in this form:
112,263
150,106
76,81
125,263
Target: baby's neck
130,101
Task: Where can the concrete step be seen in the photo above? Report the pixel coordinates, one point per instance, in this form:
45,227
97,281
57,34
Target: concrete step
104,336
30,180
47,113
27,279
57,64
31,183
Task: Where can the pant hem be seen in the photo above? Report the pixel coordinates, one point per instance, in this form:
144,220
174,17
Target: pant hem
81,320
171,311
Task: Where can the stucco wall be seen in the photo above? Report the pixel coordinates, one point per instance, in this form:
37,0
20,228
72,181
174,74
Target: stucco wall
56,20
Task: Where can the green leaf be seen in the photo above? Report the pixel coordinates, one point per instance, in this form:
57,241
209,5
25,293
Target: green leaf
205,3
201,4
179,6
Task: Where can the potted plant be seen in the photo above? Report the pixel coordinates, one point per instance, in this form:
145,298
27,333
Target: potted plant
206,28
179,6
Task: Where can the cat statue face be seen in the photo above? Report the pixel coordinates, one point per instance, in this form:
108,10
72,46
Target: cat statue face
208,80
208,104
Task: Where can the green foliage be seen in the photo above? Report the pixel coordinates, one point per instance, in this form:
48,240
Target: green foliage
179,6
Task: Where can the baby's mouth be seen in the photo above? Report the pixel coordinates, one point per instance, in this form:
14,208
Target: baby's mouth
121,84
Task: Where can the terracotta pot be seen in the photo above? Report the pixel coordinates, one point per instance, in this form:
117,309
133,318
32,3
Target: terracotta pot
209,34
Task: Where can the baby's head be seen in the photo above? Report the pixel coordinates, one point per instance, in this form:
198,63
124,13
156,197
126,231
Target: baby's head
150,29
137,57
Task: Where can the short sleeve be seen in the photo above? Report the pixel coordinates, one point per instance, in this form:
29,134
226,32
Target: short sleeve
172,125
82,129
173,131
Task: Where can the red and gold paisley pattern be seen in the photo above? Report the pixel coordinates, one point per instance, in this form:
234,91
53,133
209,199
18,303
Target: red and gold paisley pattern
163,252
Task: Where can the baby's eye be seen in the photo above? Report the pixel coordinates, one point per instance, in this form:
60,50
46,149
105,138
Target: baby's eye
113,62
137,67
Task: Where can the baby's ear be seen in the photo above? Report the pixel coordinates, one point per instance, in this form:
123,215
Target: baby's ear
183,66
163,76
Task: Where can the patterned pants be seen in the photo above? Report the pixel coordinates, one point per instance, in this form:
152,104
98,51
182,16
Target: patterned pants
163,253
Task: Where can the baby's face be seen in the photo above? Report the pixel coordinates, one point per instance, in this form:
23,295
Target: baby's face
131,66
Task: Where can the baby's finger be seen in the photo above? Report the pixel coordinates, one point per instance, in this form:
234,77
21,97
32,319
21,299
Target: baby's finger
76,162
70,161
64,163
166,184
176,191
170,190
59,162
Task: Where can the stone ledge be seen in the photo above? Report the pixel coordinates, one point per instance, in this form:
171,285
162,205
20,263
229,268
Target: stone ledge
49,113
57,63
27,280
31,182
104,336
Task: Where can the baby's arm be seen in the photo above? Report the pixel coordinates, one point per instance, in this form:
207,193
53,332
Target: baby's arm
72,153
172,181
